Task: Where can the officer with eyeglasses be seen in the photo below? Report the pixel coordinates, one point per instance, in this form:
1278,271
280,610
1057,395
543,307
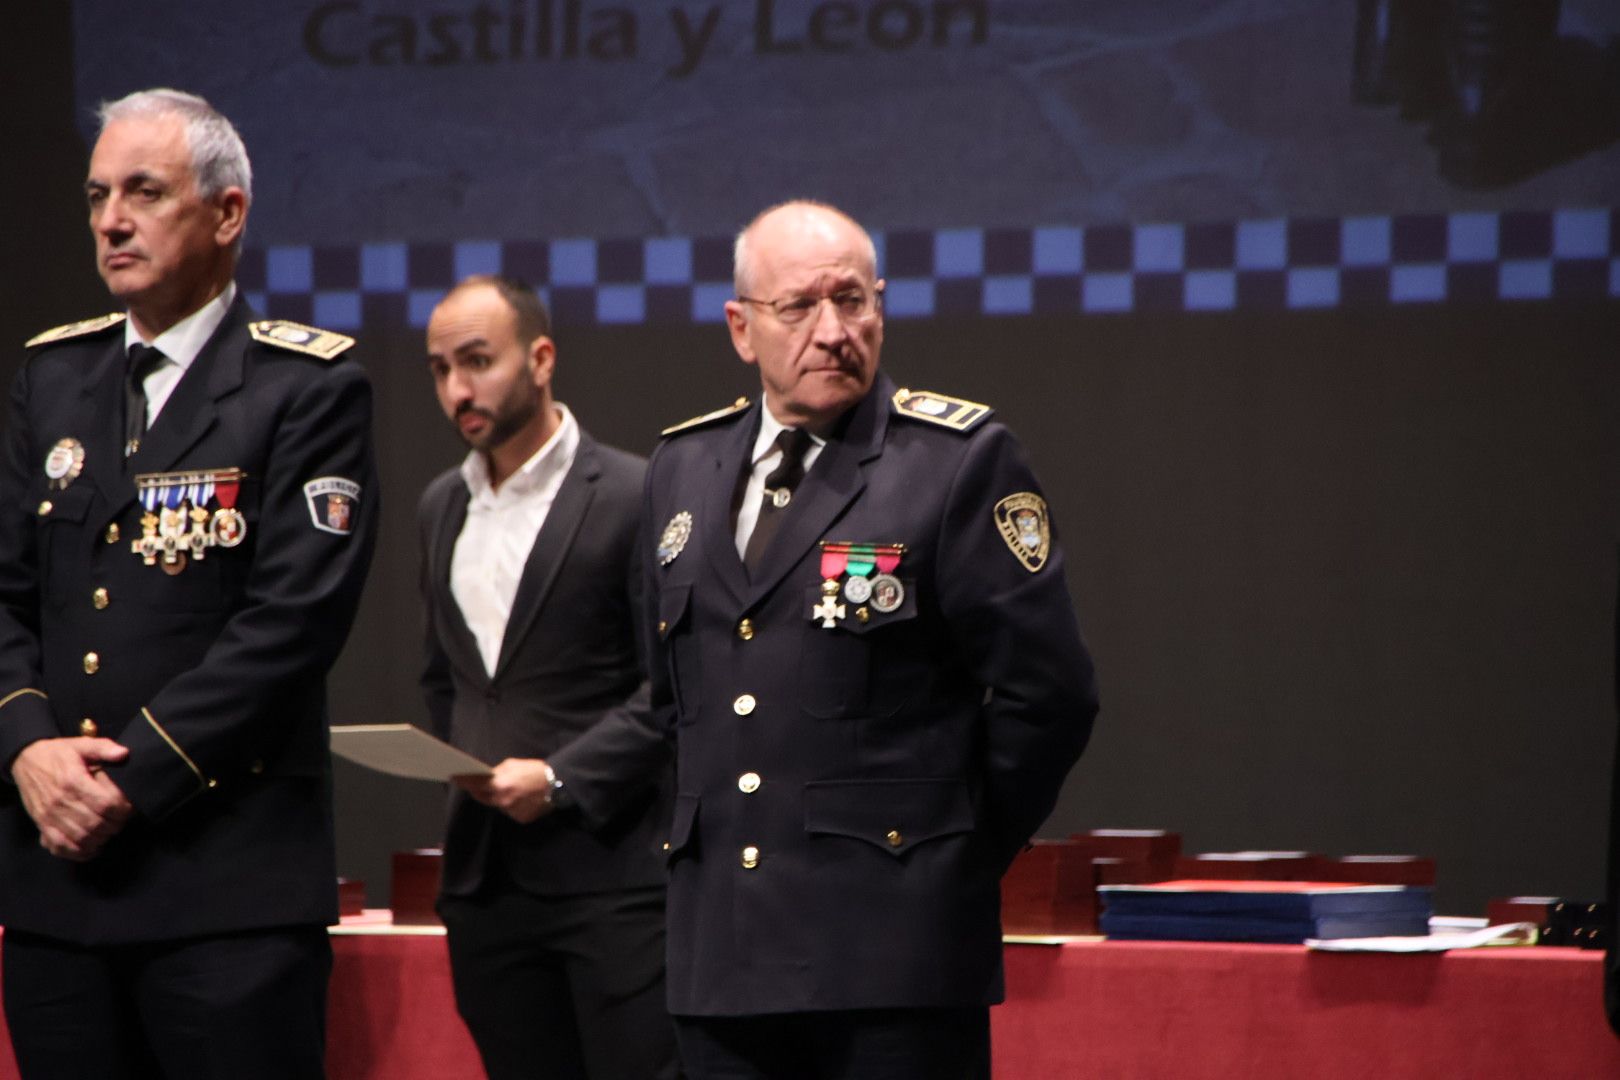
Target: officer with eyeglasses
869,657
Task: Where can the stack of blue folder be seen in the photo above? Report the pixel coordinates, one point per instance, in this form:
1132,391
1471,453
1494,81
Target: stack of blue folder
1274,911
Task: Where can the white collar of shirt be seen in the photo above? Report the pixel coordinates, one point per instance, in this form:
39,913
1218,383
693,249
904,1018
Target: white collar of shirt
179,345
499,533
766,455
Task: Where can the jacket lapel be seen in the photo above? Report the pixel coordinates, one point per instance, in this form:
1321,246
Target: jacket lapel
833,482
458,640
102,406
190,412
551,544
714,524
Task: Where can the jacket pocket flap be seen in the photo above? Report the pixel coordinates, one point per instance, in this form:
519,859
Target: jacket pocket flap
672,604
894,815
69,505
683,826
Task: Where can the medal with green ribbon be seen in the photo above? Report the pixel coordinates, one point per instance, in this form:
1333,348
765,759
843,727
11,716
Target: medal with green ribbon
862,561
839,557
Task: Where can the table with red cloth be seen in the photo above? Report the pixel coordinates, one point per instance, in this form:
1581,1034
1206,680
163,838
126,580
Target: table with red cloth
1122,1011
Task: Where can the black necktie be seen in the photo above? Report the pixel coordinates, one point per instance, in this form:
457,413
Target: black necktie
779,486
143,360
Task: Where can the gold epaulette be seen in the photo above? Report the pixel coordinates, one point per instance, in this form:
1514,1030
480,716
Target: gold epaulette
76,329
707,418
309,340
954,413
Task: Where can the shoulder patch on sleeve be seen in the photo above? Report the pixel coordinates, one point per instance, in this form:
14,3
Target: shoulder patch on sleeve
707,418
929,407
1024,524
309,340
83,328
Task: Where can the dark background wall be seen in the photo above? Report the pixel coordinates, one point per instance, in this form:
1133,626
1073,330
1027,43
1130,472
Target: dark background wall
1348,573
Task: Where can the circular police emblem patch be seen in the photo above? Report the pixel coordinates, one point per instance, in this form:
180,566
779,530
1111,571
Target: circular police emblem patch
674,537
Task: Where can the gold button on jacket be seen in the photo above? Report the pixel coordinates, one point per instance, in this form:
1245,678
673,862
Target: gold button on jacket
750,857
743,705
92,663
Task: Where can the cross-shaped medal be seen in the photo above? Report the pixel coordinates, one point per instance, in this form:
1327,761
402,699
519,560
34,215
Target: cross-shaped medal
829,611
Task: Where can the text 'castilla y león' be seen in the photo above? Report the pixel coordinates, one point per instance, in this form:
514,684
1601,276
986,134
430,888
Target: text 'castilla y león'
348,33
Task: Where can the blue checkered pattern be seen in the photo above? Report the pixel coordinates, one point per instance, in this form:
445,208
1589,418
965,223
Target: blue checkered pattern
1276,264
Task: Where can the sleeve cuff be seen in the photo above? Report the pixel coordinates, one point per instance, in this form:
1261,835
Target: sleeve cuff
25,717
160,776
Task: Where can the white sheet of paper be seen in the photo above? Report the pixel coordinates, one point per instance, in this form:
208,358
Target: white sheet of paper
403,750
1505,934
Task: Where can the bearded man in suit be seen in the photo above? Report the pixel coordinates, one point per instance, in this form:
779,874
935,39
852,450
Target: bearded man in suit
553,888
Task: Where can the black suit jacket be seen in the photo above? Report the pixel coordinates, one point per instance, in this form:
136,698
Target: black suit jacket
848,797
213,677
569,687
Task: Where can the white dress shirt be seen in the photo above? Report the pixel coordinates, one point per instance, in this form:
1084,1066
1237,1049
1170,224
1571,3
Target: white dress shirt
179,345
500,530
766,457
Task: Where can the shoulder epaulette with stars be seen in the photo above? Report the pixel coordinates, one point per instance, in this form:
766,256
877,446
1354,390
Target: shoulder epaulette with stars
83,328
931,408
707,418
309,340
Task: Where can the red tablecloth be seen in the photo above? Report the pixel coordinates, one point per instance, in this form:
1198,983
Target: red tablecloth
1150,1010
1126,1011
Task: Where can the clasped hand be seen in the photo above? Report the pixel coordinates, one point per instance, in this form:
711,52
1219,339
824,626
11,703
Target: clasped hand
70,797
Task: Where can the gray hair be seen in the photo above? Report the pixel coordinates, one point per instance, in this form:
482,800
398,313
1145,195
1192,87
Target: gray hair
742,267
218,158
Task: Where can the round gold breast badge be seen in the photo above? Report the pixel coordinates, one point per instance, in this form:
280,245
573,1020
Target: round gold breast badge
674,537
64,463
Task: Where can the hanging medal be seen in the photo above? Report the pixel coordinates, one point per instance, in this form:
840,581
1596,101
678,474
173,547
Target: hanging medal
858,585
228,527
887,592
834,557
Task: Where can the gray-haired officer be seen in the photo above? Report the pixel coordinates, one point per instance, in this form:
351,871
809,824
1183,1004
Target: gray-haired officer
877,683
187,507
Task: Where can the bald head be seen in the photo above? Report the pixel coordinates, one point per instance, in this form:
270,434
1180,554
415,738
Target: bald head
791,226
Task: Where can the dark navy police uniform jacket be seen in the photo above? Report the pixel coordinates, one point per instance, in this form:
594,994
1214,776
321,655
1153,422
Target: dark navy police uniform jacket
210,669
851,785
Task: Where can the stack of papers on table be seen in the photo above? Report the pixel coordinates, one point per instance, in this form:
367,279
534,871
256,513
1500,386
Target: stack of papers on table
1276,911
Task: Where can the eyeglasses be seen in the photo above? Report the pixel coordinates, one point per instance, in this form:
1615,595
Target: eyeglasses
854,305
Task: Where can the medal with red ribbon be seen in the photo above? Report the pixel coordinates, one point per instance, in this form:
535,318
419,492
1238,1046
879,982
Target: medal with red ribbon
854,562
229,527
